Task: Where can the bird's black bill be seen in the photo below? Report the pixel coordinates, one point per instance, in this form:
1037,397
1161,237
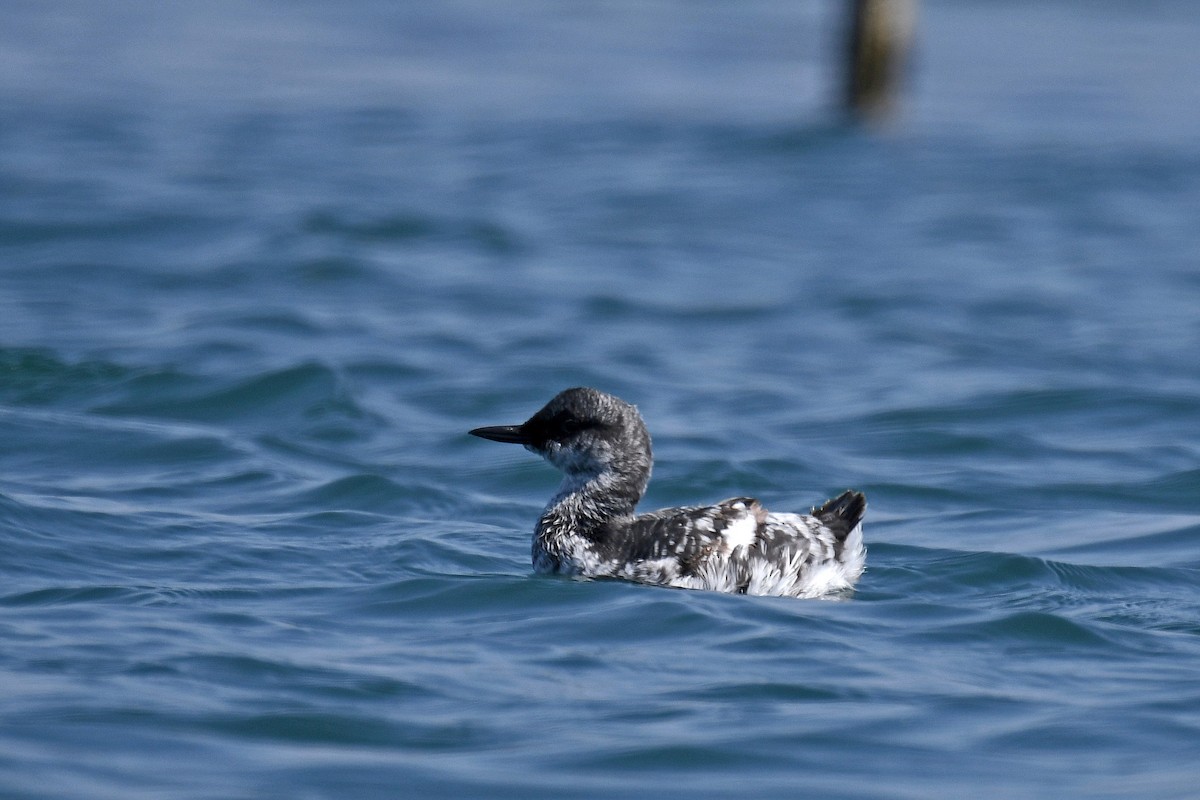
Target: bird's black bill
502,433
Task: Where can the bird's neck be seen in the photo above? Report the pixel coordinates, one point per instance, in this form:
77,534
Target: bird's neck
586,502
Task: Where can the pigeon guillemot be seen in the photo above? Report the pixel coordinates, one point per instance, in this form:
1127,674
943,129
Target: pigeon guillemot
590,529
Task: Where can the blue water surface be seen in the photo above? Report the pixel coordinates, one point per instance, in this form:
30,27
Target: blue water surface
263,264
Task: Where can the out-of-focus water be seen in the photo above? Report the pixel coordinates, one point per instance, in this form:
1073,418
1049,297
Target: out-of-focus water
263,264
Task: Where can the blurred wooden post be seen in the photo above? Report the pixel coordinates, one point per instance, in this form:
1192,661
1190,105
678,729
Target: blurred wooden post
881,34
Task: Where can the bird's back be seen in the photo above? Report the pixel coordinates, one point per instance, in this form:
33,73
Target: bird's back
737,546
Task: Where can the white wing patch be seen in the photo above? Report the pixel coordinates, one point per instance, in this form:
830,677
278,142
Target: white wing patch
742,532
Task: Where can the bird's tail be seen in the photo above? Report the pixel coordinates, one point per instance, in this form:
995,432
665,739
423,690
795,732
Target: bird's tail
842,514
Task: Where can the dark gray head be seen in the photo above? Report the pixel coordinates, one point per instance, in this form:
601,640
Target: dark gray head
585,433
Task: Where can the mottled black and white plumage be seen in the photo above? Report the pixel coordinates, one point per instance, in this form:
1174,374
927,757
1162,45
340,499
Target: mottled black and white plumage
589,528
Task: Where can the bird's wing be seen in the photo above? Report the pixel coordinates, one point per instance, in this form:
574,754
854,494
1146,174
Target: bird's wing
692,534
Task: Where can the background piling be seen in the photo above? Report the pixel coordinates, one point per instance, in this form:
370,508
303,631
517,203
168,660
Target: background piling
878,46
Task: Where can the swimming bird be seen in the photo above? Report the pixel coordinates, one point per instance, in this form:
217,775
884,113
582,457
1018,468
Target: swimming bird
590,529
